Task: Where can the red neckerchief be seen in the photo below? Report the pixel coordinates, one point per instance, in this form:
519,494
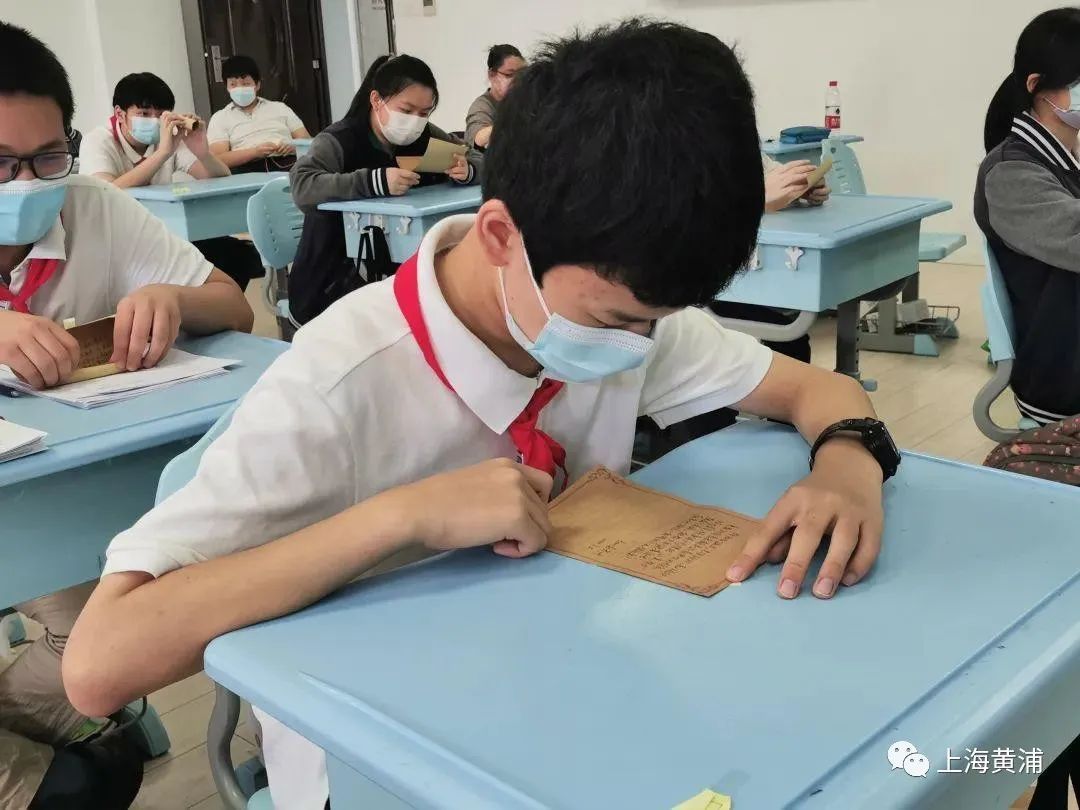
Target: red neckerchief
537,448
38,274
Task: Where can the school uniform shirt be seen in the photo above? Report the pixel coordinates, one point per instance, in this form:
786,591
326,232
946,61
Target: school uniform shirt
268,121
1027,203
104,152
110,246
353,409
346,162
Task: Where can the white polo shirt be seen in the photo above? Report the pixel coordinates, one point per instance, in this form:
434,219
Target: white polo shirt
110,246
102,152
268,121
353,409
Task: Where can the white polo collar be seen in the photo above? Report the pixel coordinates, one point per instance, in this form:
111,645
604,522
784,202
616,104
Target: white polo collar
258,103
494,392
129,151
51,245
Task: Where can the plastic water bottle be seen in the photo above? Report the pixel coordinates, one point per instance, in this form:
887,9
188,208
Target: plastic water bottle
832,106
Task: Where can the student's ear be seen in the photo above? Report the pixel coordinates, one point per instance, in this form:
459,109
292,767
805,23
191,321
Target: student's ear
373,97
497,233
258,87
1033,82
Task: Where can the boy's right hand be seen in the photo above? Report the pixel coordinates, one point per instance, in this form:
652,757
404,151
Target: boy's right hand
786,183
167,142
497,503
400,180
39,351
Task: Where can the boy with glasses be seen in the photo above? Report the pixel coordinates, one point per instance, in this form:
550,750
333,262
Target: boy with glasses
74,247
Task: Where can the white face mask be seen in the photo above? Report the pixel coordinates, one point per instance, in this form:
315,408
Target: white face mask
1071,116
400,128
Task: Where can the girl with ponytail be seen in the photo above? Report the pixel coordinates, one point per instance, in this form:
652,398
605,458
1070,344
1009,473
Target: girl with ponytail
1027,203
355,158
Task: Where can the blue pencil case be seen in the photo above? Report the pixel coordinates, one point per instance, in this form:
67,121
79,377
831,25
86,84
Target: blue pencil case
804,134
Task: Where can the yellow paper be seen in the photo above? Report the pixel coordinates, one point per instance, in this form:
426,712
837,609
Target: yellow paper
817,174
438,158
706,800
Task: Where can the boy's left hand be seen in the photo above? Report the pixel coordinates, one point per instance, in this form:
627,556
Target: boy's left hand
841,497
460,170
151,315
818,195
195,139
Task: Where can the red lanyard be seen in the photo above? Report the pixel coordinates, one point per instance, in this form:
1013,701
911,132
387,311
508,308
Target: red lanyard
537,449
37,276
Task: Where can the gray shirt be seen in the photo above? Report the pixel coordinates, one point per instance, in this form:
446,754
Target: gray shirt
481,114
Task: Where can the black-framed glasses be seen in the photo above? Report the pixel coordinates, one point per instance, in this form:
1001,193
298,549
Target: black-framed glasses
45,165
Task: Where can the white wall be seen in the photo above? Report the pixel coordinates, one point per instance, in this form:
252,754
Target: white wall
99,41
915,75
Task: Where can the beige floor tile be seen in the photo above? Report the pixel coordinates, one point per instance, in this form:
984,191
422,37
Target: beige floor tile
181,692
185,781
186,725
213,803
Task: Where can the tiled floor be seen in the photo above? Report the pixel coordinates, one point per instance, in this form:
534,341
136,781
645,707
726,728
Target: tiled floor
926,401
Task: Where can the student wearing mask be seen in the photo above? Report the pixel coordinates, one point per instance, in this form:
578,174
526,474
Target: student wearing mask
146,143
393,408
251,133
355,158
504,62
74,247
1027,203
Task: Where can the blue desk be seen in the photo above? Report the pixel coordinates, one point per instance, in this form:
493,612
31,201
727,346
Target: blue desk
61,507
303,145
204,209
405,219
787,152
472,681
832,256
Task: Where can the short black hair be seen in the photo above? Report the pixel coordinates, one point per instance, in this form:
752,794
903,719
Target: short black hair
498,54
633,150
143,90
28,66
239,66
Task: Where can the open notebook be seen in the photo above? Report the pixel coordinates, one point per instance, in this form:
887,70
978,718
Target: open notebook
176,366
17,441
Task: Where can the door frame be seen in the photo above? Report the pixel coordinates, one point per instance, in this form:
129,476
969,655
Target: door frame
198,56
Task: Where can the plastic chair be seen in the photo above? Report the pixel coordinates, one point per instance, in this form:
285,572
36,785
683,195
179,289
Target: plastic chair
997,311
226,711
275,224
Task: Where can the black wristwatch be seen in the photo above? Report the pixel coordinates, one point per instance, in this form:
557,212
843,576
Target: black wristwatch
875,438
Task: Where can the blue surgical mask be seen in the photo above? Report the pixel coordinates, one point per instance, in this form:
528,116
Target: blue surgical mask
574,353
1071,116
28,208
146,131
242,96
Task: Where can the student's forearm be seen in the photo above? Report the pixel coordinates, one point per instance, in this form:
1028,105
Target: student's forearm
213,166
143,174
238,157
214,307
138,634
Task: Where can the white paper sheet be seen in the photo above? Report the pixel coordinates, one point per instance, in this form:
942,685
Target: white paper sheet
17,441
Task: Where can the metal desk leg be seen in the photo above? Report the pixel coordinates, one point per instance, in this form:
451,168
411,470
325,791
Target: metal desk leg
219,736
847,343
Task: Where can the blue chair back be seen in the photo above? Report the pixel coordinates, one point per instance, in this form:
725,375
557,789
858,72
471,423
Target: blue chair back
182,468
275,223
997,310
845,176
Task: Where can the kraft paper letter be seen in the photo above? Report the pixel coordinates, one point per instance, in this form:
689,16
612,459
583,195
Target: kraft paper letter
95,348
609,521
438,158
817,174
706,800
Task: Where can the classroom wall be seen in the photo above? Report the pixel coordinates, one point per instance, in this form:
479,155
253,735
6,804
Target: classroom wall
343,70
915,75
99,41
